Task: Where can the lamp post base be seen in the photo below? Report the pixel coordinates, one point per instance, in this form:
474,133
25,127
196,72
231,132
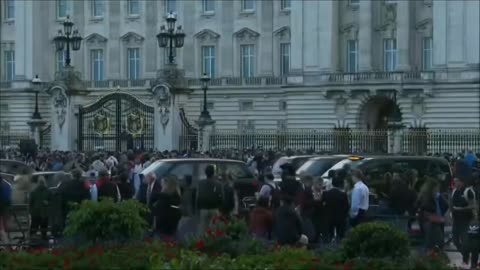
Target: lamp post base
35,125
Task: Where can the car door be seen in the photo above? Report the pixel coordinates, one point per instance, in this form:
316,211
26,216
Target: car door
244,182
183,171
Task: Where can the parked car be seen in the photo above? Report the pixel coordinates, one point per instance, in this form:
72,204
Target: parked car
320,166
245,184
296,161
13,166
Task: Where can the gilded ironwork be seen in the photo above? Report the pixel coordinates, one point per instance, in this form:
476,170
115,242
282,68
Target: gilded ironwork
101,123
135,123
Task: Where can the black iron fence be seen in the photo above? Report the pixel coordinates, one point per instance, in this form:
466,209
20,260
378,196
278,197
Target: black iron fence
413,141
12,139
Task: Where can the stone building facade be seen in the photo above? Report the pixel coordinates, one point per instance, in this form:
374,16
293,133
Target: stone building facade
275,64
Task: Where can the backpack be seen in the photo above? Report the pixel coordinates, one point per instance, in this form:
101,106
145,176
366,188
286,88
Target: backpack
209,195
274,196
473,228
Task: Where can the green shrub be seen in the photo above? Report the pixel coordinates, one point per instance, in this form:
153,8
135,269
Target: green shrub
107,221
375,240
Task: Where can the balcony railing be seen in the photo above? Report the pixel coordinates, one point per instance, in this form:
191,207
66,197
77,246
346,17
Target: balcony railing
380,76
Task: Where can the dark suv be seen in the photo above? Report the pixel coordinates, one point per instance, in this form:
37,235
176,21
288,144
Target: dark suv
377,166
245,183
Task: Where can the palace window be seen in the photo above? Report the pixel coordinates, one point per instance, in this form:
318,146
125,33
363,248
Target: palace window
247,60
62,9
389,54
427,51
208,60
98,8
133,63
170,6
248,5
286,4
9,65
208,6
133,7
352,56
96,64
9,9
284,58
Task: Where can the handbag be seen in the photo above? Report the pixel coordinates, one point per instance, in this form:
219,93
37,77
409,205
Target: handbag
434,218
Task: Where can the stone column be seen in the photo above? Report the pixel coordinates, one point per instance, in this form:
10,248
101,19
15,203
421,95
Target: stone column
61,113
403,35
35,126
296,24
312,50
365,35
328,35
439,33
23,39
204,138
455,37
266,38
166,119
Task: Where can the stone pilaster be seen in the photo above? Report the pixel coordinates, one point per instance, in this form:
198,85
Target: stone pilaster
439,33
455,34
365,35
403,35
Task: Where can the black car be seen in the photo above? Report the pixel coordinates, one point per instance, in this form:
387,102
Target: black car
245,183
376,166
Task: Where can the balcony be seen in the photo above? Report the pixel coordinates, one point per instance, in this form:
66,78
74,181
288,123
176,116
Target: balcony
382,76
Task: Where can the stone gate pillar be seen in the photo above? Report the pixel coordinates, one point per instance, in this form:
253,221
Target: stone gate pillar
167,90
64,91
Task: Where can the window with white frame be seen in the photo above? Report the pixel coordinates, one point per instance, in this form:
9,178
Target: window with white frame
352,56
133,63
59,60
208,60
286,4
96,60
246,125
389,54
208,6
62,9
133,7
284,58
246,105
248,5
247,60
427,51
9,9
9,65
98,8
170,6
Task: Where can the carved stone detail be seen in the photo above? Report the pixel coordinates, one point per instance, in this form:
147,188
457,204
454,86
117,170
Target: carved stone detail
350,31
60,103
418,106
95,39
207,35
164,99
132,37
283,33
341,107
388,26
246,35
172,76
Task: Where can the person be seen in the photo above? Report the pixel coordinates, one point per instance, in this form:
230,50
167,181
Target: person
306,206
432,208
230,199
290,186
401,199
270,191
149,194
73,191
208,198
106,188
135,176
39,201
261,220
126,190
470,159
167,208
186,225
5,203
287,224
360,199
336,207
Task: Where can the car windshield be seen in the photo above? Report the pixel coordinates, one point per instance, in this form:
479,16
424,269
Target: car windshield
298,162
276,170
316,167
160,168
339,165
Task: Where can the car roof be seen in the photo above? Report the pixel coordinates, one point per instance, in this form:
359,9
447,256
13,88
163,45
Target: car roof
300,156
49,172
199,160
332,157
406,157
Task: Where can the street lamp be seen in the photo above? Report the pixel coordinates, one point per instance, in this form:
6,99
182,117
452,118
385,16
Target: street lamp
205,114
37,84
169,38
66,38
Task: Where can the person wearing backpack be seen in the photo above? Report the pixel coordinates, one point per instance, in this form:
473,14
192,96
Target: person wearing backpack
208,198
471,245
270,191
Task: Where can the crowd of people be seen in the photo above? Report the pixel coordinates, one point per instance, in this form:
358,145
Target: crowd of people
291,212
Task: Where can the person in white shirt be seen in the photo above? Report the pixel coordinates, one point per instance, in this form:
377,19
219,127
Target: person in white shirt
360,199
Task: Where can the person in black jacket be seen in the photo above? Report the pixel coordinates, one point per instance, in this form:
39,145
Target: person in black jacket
167,208
126,190
73,191
287,224
335,208
106,188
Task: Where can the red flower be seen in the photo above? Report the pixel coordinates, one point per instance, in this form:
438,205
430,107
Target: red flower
149,240
51,264
209,231
347,266
200,244
170,255
433,254
218,232
315,260
66,263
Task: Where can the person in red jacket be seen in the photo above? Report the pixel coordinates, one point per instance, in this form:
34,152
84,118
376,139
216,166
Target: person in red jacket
261,220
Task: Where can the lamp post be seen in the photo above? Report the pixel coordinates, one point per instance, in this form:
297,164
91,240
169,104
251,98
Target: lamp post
205,117
169,38
66,38
37,83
